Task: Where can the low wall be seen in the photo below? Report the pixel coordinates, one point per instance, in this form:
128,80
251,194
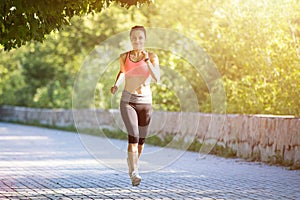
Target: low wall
263,137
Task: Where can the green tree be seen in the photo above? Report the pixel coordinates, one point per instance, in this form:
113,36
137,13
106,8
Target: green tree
47,71
255,46
25,20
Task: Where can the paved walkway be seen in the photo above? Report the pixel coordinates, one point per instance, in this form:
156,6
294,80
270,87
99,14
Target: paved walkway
38,163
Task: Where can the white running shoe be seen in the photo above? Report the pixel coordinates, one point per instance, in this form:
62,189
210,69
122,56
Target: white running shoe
135,178
132,161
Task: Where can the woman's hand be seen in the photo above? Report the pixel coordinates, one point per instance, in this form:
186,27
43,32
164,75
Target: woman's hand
146,55
113,89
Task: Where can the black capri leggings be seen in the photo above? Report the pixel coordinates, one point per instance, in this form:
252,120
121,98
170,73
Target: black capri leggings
136,117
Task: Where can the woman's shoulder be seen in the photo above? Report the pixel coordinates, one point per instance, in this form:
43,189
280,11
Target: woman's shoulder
123,56
152,54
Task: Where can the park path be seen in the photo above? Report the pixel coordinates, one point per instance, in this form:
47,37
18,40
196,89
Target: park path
40,163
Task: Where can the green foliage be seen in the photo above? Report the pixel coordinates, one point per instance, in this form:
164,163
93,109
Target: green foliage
46,72
255,46
25,20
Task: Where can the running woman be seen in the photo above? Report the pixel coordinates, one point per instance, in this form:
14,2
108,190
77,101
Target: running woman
137,67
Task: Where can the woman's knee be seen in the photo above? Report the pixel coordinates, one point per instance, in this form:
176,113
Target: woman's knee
141,141
132,139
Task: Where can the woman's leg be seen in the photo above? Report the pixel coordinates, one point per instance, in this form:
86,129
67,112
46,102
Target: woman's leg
140,149
130,118
144,112
133,147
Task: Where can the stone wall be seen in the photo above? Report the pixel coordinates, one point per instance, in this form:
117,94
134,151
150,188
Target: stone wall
263,137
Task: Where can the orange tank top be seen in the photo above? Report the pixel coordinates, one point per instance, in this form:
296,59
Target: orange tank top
135,69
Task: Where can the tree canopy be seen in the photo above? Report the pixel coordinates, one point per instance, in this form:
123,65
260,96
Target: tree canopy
25,20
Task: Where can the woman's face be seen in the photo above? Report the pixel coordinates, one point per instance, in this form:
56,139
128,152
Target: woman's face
137,39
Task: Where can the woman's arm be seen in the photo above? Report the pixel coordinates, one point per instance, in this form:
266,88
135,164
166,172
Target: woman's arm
119,80
120,76
153,64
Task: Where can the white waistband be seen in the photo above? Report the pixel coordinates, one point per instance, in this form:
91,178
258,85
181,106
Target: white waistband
136,98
